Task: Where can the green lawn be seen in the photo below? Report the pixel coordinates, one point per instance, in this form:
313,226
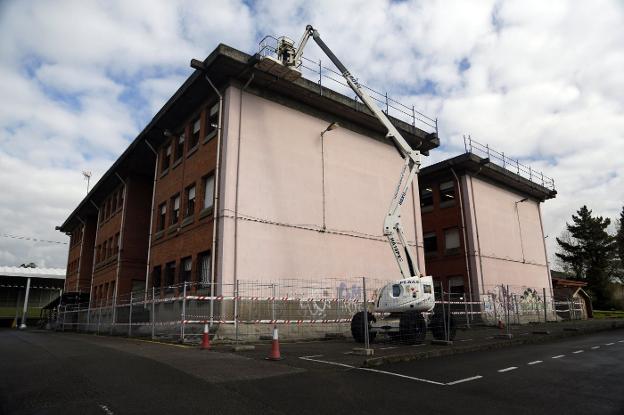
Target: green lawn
608,314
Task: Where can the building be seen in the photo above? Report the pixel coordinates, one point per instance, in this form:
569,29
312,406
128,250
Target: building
482,226
237,178
25,291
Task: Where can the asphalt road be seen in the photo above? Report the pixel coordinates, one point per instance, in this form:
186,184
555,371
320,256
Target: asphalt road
55,373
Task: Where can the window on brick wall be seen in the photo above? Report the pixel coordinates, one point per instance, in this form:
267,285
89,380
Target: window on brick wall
430,243
426,199
208,191
203,269
190,201
451,241
116,243
447,194
156,276
186,265
212,119
162,216
175,209
105,250
170,269
166,158
179,151
195,127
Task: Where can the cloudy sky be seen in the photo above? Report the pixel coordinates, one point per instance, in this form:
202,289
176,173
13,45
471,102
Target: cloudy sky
542,81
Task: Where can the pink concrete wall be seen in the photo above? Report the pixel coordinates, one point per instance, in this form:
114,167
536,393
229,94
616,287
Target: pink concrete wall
280,181
506,240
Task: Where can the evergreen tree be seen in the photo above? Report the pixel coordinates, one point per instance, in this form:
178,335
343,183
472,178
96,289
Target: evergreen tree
619,243
590,252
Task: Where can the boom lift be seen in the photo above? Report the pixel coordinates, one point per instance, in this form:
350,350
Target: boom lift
408,299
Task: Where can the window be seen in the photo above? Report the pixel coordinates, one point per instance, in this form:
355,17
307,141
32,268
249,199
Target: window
105,250
208,191
175,209
431,243
114,202
170,273
396,290
166,159
456,286
212,119
195,133
447,194
179,150
121,198
185,269
203,269
451,241
162,216
190,201
156,276
116,243
426,199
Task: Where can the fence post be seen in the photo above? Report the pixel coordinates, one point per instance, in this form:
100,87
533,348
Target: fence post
365,310
273,302
183,313
466,312
130,317
212,298
153,313
507,309
515,300
236,312
443,309
545,315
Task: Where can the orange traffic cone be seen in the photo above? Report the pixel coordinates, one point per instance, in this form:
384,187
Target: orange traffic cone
275,349
205,344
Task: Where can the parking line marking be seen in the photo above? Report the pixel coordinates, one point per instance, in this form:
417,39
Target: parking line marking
507,369
383,372
578,351
609,344
558,356
455,382
313,356
535,362
387,348
401,376
595,347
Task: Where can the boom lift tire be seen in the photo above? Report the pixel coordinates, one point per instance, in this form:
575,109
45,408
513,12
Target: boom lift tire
437,326
412,327
358,327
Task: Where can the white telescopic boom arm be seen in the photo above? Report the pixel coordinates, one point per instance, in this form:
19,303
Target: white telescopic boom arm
393,229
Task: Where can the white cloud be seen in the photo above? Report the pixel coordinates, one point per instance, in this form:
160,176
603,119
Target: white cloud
539,81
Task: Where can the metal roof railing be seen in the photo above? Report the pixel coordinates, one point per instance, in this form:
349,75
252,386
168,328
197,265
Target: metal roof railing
510,164
332,79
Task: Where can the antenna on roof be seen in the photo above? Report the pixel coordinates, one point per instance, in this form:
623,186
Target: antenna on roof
87,176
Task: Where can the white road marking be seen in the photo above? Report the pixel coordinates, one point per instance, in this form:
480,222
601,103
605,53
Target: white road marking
400,375
507,369
466,340
609,344
595,347
578,351
106,410
535,362
558,356
620,341
455,382
314,355
311,359
418,345
387,348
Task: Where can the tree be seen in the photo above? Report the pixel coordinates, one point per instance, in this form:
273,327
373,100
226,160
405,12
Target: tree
619,243
590,252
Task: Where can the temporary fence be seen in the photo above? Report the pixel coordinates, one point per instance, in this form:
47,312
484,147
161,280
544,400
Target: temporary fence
248,311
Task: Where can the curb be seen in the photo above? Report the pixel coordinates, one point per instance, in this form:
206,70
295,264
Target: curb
452,350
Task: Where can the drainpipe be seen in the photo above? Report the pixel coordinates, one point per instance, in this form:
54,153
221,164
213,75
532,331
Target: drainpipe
84,226
149,240
215,199
97,229
240,120
463,229
474,212
120,245
539,211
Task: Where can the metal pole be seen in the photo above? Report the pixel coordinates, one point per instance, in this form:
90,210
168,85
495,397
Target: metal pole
450,315
130,317
365,310
236,312
64,313
507,310
273,302
25,309
183,314
443,307
153,312
545,315
515,300
99,317
212,298
466,312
